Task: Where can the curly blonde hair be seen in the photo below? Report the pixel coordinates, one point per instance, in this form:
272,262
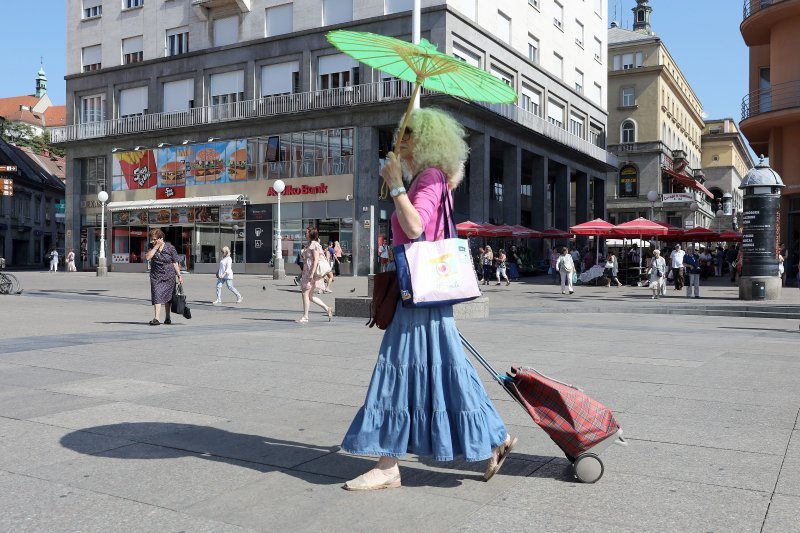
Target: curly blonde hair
439,143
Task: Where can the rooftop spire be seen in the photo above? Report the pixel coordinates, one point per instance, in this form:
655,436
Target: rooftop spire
641,17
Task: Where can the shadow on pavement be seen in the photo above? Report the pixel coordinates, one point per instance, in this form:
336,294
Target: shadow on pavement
165,440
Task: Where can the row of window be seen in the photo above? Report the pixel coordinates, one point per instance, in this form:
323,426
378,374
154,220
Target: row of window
94,8
20,208
132,48
334,71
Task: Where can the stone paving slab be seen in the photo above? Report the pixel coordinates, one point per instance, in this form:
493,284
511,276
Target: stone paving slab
708,433
784,514
117,389
165,477
25,445
29,403
789,479
34,505
630,500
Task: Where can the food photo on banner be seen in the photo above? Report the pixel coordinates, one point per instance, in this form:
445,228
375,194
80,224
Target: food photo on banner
134,170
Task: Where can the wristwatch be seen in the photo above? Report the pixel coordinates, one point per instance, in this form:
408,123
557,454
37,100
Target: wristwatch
397,191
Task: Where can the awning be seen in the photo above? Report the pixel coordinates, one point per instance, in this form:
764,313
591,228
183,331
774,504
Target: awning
200,201
688,181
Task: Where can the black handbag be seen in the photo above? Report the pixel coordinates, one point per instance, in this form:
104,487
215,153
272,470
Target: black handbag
178,300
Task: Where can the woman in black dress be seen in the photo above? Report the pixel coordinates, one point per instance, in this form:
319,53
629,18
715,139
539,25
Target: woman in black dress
164,267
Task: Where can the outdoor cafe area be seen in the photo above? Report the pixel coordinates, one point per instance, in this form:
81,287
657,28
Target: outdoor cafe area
598,237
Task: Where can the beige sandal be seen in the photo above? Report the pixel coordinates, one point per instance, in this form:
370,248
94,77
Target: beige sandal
360,483
498,457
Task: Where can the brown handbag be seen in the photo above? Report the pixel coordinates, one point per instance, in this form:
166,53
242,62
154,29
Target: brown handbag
385,294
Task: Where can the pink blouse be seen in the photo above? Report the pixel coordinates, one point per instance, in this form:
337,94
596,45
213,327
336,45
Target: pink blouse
426,197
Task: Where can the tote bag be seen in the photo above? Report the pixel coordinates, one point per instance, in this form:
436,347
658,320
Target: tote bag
436,273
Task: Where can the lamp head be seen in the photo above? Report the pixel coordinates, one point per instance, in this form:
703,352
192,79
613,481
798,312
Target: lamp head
139,148
162,145
694,206
279,186
115,150
102,196
652,196
186,141
212,139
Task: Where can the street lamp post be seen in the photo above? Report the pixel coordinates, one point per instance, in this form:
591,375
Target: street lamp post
720,213
652,197
277,265
235,236
102,268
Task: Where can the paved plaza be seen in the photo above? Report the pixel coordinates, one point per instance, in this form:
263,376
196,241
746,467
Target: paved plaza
232,421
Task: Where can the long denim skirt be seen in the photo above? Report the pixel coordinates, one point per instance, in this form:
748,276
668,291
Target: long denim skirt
425,397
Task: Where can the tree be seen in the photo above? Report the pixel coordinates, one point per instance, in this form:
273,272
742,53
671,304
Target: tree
23,134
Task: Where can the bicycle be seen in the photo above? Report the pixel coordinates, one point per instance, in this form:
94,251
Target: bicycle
9,284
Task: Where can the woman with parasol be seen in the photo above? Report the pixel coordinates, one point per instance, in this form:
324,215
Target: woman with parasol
425,396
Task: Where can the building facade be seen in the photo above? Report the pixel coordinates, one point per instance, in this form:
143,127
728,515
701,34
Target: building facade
725,162
30,195
35,111
771,109
187,113
655,127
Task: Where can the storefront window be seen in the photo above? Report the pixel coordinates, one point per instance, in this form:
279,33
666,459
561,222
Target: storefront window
208,244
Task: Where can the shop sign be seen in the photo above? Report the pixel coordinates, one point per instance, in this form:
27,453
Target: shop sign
134,170
290,190
8,168
120,258
676,197
259,212
84,244
175,191
628,182
231,213
206,214
7,186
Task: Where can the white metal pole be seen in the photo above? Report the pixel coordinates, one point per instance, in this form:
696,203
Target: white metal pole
103,232
371,240
416,18
279,258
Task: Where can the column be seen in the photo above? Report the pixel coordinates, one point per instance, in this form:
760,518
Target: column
72,211
539,193
512,181
600,204
582,186
561,191
479,177
367,182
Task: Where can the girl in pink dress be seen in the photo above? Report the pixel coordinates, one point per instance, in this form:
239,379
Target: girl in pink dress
308,283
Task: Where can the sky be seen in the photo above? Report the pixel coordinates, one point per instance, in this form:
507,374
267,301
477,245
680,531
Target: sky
702,36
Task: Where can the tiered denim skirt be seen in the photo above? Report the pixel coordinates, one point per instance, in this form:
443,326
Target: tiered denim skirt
425,397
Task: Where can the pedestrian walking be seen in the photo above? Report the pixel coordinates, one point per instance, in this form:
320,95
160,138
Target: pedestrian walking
783,255
676,262
327,254
611,269
337,257
501,266
554,257
565,267
225,276
164,268
658,275
720,260
312,254
71,261
692,263
53,260
730,257
487,259
383,255
514,263
299,262
428,412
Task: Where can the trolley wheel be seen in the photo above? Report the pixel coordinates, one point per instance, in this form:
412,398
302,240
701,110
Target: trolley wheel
588,468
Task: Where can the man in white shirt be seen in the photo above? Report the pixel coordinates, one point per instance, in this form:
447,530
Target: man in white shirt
676,262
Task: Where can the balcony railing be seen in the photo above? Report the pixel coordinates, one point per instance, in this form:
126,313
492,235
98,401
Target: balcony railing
777,97
751,7
270,106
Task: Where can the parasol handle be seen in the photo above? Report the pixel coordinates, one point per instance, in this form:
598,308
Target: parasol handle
384,192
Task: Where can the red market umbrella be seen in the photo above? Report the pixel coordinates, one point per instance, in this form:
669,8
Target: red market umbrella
523,232
674,232
638,228
555,233
597,226
700,234
473,229
500,231
730,236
